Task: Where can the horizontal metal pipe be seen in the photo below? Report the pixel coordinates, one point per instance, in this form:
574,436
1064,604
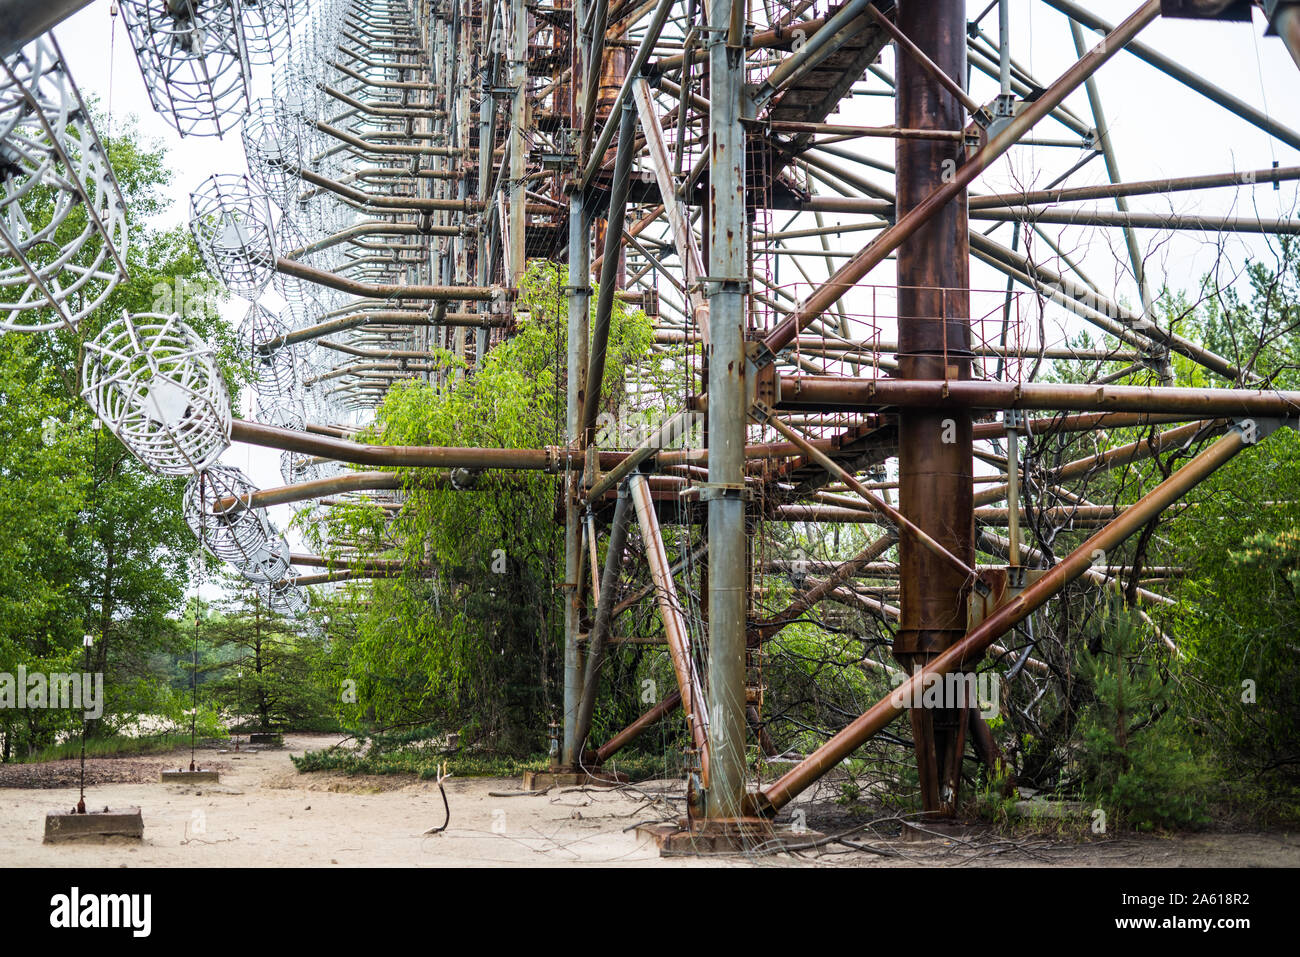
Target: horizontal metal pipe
389,290
890,132
1071,194
397,456
1133,220
834,392
383,149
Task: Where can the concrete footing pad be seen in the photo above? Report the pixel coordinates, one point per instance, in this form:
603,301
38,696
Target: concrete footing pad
944,830
540,780
69,826
733,836
188,777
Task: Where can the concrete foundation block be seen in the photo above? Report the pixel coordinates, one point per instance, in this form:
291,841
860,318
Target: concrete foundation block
63,826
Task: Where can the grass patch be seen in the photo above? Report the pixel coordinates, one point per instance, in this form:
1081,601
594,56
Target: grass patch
423,761
114,747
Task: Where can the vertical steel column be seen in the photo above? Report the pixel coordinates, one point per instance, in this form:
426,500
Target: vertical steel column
728,405
615,217
934,454
486,142
518,145
579,326
600,626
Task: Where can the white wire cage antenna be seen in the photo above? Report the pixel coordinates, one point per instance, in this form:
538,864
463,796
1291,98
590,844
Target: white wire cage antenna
230,219
260,342
287,413
63,231
269,562
273,147
285,596
268,29
194,60
218,509
307,310
155,384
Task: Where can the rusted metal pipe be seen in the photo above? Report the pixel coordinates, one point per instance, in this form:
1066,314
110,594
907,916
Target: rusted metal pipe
388,290
604,617
634,730
829,392
670,610
403,456
775,796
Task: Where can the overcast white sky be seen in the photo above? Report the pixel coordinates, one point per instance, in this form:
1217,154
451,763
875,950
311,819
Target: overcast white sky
1160,128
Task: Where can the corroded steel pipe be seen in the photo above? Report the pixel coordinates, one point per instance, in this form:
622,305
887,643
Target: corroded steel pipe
634,730
842,573
838,393
408,456
670,609
775,796
600,627
388,290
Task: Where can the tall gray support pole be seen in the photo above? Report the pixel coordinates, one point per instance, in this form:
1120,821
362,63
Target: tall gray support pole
600,625
518,147
579,326
614,220
727,418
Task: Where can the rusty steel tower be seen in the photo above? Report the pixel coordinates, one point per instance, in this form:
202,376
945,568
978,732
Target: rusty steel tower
407,160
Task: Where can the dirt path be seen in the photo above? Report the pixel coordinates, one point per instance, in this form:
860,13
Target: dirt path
265,814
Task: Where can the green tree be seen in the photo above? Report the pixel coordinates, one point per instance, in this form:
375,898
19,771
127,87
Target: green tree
266,671
98,544
470,634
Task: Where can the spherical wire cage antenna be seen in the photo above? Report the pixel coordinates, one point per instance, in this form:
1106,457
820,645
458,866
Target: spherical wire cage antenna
268,562
260,342
274,150
155,384
218,508
194,60
230,219
268,29
284,596
62,217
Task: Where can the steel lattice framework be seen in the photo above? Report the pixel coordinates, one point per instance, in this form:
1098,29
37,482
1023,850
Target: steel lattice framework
417,154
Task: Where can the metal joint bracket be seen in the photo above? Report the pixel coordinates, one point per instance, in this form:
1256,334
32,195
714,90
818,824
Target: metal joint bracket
712,285
711,491
1013,420
760,355
1254,428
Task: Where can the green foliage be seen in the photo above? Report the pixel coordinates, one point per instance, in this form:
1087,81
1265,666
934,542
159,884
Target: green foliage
95,543
470,636
1239,615
266,673
1134,760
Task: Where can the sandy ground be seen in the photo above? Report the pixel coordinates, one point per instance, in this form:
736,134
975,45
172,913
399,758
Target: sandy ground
264,814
